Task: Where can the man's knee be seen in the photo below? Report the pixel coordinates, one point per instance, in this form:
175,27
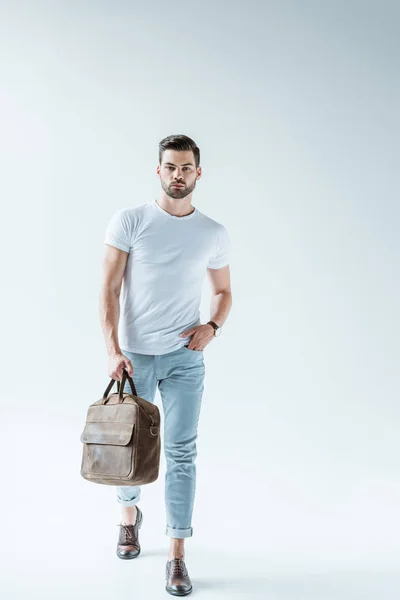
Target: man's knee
183,452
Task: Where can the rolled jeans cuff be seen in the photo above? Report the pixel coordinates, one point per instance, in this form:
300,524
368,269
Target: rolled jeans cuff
128,502
179,533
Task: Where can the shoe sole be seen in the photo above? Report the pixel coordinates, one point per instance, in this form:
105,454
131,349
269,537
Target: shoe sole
178,593
136,555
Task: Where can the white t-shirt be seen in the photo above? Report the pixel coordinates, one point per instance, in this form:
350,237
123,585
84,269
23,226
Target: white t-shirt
167,262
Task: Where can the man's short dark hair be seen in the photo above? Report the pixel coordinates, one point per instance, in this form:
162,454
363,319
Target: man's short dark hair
180,143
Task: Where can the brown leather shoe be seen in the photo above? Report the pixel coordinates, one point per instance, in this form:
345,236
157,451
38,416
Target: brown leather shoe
128,541
178,580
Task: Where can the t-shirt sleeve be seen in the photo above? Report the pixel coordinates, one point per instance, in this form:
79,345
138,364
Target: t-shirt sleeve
222,251
119,231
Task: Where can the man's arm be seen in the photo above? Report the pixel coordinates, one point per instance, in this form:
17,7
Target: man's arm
221,299
114,264
221,302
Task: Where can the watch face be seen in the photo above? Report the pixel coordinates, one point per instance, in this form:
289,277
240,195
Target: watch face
218,332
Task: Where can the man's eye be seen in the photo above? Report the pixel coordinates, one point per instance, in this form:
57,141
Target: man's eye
185,168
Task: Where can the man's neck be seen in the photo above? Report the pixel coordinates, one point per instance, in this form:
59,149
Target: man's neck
176,208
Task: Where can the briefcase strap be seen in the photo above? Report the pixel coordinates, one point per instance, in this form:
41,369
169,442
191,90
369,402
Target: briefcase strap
126,376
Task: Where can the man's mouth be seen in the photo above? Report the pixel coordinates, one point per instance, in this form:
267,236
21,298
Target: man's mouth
178,185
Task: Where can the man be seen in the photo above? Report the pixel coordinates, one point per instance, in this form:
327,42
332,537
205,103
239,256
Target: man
161,251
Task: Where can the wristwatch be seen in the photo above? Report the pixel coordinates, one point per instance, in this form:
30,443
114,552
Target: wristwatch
217,328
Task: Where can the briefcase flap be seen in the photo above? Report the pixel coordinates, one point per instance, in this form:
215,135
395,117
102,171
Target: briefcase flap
115,434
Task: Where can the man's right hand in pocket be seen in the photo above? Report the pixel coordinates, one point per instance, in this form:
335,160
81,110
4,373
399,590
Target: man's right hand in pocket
117,363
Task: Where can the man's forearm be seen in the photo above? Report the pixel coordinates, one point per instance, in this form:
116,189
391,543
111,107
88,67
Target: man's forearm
220,306
109,317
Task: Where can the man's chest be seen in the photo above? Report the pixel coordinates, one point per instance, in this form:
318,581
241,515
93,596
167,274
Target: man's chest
172,247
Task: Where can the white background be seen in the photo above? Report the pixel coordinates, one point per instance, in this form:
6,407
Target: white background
294,106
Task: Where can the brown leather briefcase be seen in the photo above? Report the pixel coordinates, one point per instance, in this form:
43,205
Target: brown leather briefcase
121,438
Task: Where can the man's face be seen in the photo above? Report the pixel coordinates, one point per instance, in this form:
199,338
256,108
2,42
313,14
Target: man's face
178,167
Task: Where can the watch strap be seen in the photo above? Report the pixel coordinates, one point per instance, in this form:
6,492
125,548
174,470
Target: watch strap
213,325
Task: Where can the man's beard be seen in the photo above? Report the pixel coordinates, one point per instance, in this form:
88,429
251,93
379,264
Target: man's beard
177,193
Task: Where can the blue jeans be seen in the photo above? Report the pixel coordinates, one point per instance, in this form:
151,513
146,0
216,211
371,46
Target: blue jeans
180,378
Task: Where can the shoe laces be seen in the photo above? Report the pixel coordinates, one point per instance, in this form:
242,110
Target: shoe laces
178,567
126,532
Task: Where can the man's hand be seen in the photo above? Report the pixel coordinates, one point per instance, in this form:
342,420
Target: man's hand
117,363
201,336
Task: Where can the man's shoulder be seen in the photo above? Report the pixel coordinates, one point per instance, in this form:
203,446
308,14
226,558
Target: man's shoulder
132,211
132,214
212,224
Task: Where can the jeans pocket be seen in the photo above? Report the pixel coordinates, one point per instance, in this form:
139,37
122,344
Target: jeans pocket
190,349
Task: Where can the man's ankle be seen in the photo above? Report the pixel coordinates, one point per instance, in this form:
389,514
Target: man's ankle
176,555
177,551
129,517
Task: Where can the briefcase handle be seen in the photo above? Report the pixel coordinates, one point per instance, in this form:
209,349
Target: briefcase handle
120,387
134,392
125,376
